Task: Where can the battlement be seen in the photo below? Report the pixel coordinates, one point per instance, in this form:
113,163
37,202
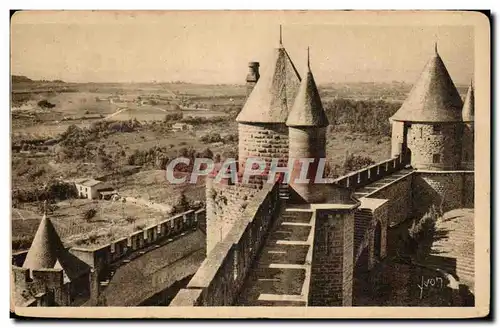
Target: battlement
102,256
39,287
221,275
372,173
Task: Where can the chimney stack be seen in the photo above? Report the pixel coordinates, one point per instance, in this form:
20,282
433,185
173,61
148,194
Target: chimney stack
252,76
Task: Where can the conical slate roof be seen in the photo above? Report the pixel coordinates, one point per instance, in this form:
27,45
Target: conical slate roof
273,94
433,98
307,108
46,247
468,110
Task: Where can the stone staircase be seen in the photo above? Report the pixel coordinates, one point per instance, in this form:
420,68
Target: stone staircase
280,275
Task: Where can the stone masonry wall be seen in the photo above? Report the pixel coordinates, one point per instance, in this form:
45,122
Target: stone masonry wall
425,144
332,263
307,143
468,147
264,141
397,138
399,194
445,190
225,203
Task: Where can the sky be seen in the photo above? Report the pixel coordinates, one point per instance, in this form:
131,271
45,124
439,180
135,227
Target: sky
215,47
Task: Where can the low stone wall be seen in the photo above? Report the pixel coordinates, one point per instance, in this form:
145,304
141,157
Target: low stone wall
371,173
220,277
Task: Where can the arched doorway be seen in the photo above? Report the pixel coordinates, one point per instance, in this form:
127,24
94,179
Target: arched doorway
377,241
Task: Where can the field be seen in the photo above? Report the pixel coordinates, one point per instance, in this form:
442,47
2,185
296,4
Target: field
112,220
63,131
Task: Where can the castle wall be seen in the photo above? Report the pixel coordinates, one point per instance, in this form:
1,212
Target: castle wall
264,141
332,261
445,190
435,150
224,205
399,194
468,147
222,274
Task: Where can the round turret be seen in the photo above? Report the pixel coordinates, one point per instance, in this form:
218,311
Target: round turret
427,129
307,124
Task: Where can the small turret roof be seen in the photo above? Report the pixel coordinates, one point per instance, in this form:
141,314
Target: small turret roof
45,248
433,98
307,108
48,252
273,94
468,110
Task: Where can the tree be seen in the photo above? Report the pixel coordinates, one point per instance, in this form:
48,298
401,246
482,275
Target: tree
181,204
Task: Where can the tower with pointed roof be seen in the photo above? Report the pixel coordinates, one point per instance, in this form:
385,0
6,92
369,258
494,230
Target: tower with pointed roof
261,123
427,129
468,134
307,124
50,274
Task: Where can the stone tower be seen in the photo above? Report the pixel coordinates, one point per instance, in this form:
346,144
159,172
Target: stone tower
468,136
252,76
262,135
49,274
307,124
261,123
427,129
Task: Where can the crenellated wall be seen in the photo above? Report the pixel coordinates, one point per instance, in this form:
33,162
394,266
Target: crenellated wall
102,256
372,173
43,287
222,274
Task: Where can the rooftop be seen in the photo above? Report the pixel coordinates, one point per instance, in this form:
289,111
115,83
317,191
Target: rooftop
433,98
468,109
307,108
87,182
272,97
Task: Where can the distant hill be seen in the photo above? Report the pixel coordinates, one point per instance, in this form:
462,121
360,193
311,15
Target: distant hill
20,78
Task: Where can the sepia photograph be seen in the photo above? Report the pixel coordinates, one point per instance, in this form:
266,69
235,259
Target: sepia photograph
269,164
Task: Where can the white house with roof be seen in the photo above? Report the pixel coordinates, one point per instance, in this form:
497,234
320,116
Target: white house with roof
90,188
182,127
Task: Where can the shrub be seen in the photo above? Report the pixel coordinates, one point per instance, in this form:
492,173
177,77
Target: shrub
45,104
425,227
181,204
89,214
354,163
